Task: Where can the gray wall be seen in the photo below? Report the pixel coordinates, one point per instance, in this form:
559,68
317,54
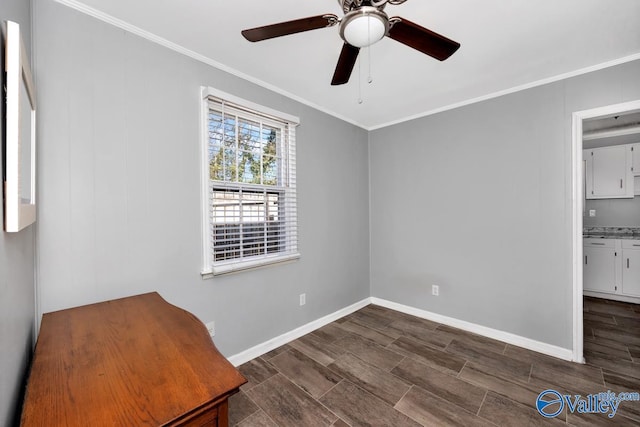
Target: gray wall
17,308
613,213
478,201
120,187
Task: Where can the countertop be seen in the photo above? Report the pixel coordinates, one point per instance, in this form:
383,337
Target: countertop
612,236
625,233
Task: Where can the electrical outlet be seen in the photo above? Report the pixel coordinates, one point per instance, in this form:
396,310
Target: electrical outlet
435,290
592,213
303,299
211,327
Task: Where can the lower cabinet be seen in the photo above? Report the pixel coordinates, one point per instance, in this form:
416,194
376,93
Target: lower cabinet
612,266
631,267
600,259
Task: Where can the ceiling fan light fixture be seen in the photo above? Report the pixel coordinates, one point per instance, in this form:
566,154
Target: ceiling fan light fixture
364,27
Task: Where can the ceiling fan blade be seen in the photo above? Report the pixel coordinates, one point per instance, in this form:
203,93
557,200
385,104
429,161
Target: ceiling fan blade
347,60
422,39
290,27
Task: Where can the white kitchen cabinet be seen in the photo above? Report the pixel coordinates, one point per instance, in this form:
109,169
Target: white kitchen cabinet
635,148
636,168
631,267
608,172
600,262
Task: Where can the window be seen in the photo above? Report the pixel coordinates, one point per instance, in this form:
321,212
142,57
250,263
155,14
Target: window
249,185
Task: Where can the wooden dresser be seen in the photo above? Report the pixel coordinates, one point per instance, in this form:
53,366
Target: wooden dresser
136,361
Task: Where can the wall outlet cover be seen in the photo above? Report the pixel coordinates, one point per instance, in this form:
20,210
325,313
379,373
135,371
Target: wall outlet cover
592,213
435,290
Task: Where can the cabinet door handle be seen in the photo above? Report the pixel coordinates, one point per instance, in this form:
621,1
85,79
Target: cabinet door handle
599,244
621,183
627,262
636,245
586,260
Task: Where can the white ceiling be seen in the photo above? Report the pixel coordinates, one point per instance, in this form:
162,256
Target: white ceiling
506,44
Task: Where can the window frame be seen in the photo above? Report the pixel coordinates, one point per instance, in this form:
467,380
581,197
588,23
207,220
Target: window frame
210,267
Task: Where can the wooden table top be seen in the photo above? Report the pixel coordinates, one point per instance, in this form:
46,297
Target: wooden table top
125,362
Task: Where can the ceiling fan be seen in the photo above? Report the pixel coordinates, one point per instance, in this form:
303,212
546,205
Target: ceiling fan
363,24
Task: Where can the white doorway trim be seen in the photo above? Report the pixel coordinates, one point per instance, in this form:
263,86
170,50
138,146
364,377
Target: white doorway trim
577,197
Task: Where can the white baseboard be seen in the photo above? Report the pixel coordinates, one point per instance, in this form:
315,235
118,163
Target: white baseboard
615,297
509,338
267,346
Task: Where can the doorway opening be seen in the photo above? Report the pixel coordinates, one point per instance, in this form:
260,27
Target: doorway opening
583,120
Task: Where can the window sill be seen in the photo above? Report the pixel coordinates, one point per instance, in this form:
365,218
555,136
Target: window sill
235,267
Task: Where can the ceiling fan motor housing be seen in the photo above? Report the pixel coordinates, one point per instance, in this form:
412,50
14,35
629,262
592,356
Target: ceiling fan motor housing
349,5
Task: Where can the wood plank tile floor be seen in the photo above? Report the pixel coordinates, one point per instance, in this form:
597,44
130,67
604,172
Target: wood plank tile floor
379,367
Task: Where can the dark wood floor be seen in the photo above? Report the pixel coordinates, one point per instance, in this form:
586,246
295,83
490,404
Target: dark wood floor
378,367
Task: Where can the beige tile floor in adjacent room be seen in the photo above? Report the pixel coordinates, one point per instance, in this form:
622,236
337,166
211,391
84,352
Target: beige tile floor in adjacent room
379,367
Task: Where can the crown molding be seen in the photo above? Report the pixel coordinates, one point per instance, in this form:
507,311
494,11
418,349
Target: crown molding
514,89
95,13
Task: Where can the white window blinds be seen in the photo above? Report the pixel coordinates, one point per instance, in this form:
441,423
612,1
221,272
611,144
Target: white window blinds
250,173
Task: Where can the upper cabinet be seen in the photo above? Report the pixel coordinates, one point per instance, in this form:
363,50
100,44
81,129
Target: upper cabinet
609,173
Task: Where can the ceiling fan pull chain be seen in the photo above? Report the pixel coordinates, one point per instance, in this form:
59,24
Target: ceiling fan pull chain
369,78
359,81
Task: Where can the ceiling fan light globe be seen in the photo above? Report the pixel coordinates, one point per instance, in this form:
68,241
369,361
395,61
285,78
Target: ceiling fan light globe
364,27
